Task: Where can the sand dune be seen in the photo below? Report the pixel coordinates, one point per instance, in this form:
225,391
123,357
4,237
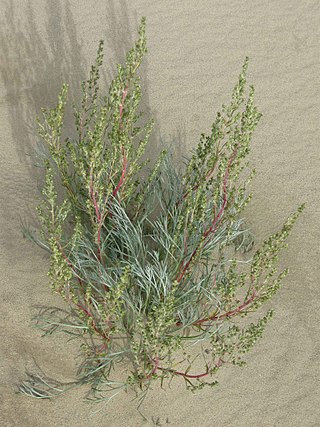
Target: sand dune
196,50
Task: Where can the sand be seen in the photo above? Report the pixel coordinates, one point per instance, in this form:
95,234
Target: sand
196,50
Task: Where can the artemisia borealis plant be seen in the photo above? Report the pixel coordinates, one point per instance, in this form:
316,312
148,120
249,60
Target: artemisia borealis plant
142,264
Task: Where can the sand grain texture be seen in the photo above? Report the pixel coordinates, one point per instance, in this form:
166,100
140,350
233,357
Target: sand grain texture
196,50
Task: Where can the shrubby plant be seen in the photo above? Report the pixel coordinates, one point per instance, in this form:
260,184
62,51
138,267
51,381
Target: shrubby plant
143,264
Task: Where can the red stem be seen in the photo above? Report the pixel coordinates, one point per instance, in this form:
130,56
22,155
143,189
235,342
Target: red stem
217,218
212,229
69,262
87,312
155,367
190,375
206,177
100,217
231,312
197,186
183,374
124,169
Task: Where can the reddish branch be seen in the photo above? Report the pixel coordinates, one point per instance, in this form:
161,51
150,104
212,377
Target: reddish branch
206,177
99,216
73,268
194,376
90,315
155,367
83,309
86,312
228,314
198,185
65,256
231,313
189,375
217,217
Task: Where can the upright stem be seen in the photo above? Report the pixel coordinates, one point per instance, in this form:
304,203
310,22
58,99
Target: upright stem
216,220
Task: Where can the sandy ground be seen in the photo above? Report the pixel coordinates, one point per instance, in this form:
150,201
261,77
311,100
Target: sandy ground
196,49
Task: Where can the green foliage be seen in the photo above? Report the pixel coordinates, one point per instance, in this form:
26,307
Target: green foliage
142,264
